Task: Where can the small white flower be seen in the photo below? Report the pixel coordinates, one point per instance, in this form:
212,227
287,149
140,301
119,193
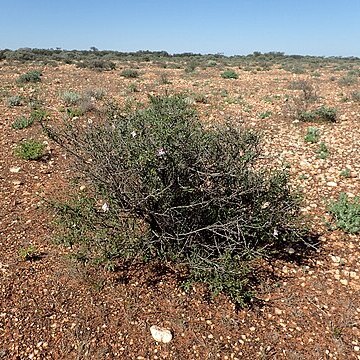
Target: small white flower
161,152
265,205
133,134
275,233
105,207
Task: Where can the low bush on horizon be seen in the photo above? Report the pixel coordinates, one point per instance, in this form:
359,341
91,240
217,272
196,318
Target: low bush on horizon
130,73
163,188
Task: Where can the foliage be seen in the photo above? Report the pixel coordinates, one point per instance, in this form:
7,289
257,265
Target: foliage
30,150
97,64
321,114
29,253
346,213
323,151
265,114
312,135
32,76
130,73
70,97
229,74
22,122
15,100
165,188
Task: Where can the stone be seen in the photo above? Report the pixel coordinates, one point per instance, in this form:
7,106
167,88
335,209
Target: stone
331,183
161,334
15,169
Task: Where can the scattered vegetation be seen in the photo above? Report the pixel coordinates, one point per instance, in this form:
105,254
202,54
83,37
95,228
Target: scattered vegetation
321,114
70,97
30,150
346,213
265,114
29,253
323,151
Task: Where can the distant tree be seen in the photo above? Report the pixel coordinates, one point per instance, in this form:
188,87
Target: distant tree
93,48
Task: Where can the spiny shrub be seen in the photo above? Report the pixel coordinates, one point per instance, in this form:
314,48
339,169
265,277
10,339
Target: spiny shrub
346,213
229,74
312,135
70,97
165,188
32,76
15,100
30,150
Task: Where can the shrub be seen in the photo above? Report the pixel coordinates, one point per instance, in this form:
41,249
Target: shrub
323,151
312,134
32,76
347,80
346,213
229,74
14,100
165,188
70,97
97,64
130,73
355,96
307,89
265,114
322,114
30,150
22,122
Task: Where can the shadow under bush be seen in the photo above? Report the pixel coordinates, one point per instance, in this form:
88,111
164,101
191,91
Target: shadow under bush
163,187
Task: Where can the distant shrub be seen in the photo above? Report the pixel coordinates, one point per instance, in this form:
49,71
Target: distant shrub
356,96
15,100
97,64
22,122
130,73
322,114
312,135
265,114
167,189
70,97
323,151
97,93
33,76
346,213
307,89
30,150
229,74
347,80
164,79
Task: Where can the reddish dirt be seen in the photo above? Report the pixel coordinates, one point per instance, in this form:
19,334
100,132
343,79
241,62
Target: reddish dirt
55,308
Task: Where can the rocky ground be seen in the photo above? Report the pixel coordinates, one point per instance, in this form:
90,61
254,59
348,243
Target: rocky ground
52,307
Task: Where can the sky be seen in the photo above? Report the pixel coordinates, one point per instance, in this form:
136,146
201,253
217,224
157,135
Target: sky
305,27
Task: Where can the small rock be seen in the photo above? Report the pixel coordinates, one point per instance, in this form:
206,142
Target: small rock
357,348
277,311
331,183
344,282
161,334
15,169
17,182
82,187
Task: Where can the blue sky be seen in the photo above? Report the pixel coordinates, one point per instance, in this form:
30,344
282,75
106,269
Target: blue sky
308,27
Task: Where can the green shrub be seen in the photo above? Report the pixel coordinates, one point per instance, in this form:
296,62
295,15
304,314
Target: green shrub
229,74
356,96
97,64
30,150
321,114
312,135
22,122
265,114
346,213
33,76
323,151
347,80
130,73
164,188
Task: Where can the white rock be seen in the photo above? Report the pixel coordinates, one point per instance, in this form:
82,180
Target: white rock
331,183
161,334
15,169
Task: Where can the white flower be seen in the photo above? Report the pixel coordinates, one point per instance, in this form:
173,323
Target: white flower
105,207
275,233
133,134
161,152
